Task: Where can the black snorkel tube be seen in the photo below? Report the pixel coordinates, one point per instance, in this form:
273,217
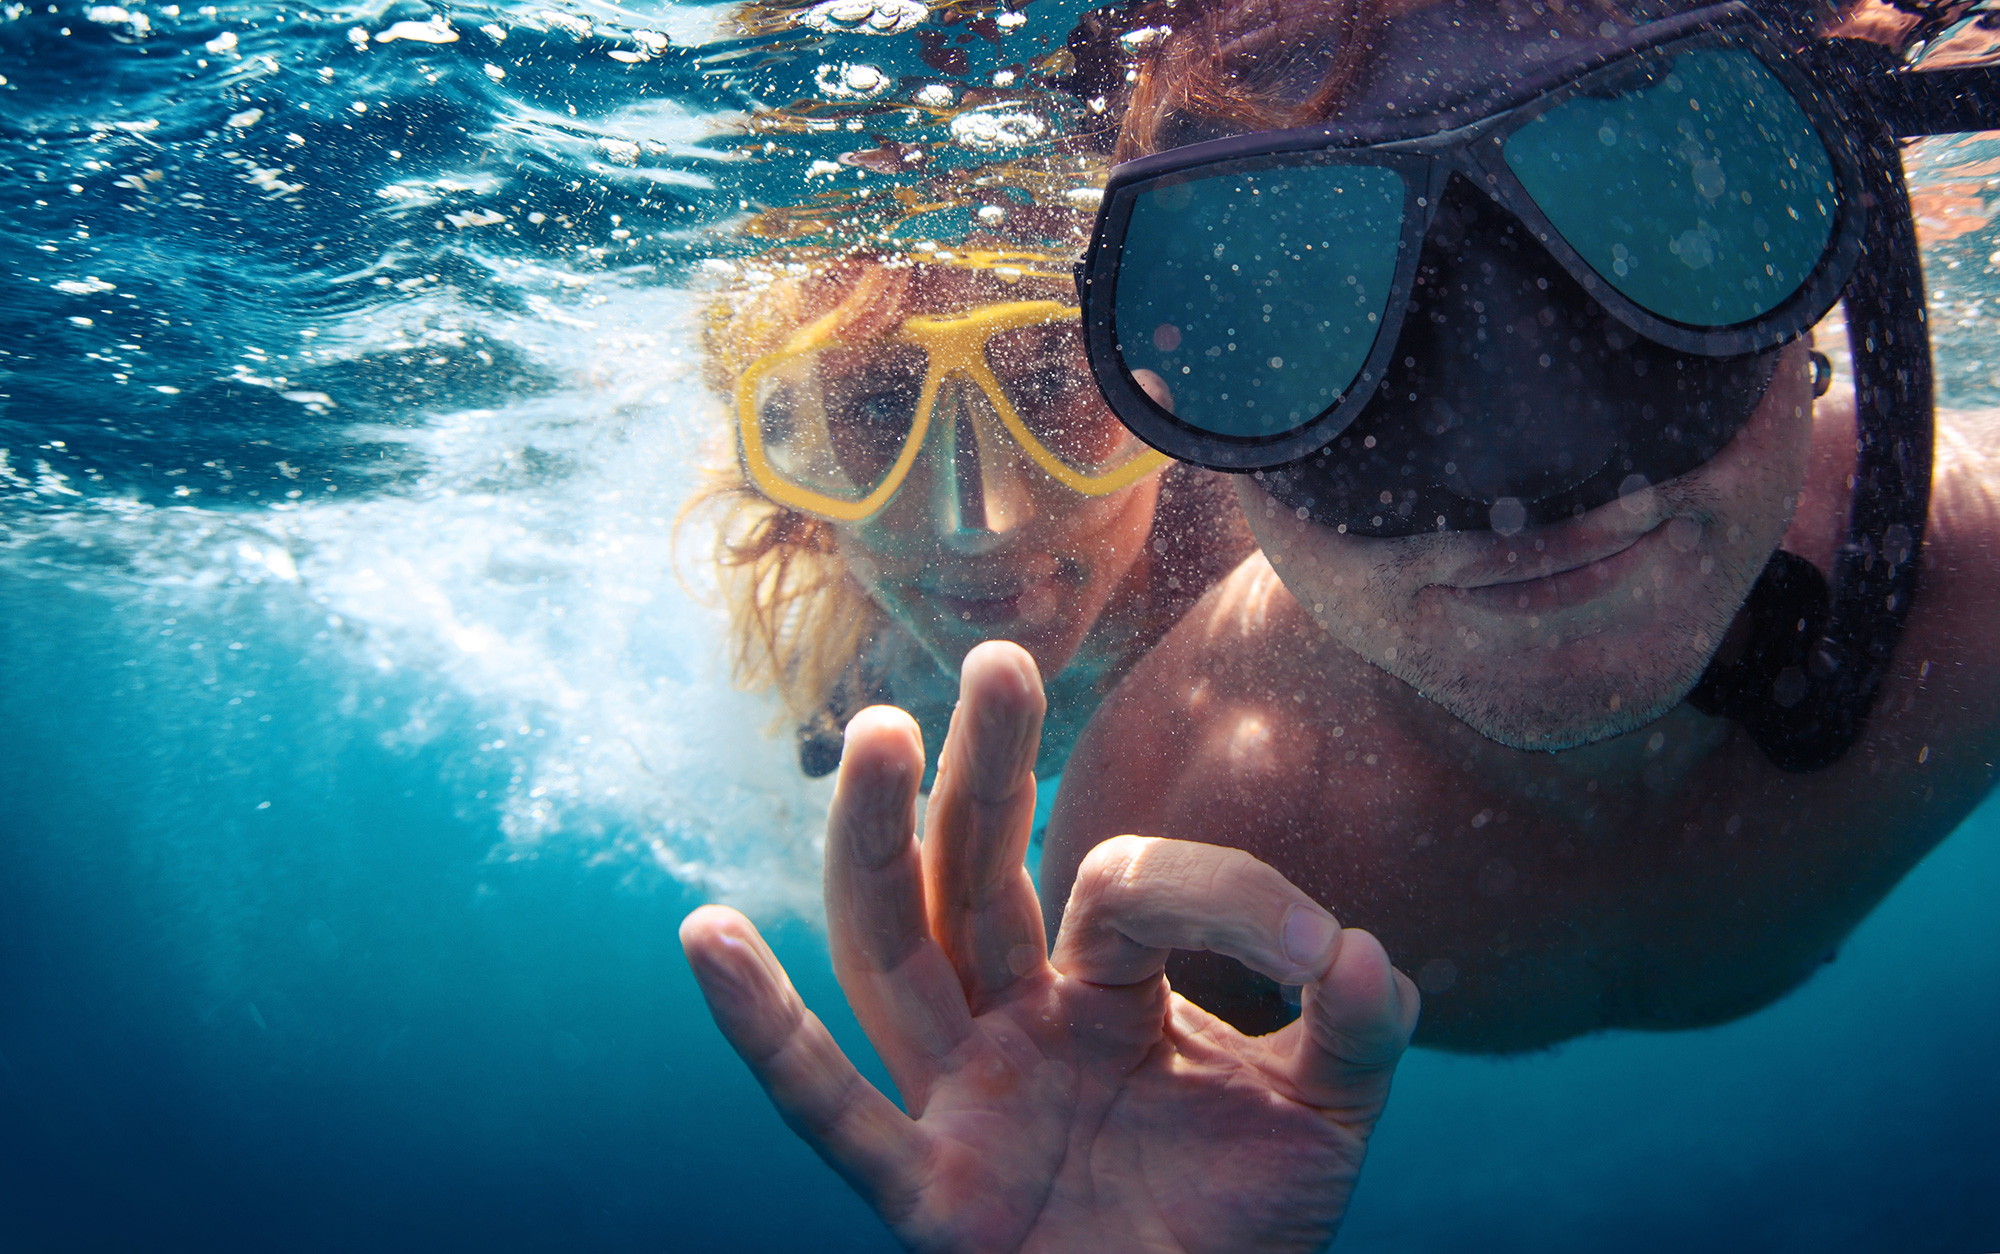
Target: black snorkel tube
1801,670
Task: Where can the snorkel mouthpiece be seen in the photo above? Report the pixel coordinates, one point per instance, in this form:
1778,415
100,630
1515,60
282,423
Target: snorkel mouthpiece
1513,399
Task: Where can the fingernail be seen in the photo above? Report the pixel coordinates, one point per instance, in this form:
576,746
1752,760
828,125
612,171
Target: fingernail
725,967
1309,938
1008,697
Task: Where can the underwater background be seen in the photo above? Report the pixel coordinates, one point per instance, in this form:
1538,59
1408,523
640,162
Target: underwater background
365,730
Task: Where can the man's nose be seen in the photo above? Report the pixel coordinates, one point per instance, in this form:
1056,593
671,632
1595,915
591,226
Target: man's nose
978,488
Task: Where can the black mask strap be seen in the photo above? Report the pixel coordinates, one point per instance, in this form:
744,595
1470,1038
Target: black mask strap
1804,679
1937,102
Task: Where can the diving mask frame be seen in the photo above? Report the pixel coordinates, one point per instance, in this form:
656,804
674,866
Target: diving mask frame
952,343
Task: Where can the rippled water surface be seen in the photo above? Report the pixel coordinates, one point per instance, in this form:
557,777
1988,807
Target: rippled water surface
361,747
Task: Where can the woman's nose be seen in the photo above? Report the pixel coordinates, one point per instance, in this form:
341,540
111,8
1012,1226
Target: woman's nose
978,481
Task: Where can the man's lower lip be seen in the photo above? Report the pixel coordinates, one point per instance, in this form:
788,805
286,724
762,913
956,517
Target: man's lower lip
1562,590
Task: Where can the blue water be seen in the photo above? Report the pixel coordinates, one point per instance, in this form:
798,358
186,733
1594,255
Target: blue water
360,748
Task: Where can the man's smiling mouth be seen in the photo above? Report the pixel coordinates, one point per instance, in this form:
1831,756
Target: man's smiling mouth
1559,567
1541,582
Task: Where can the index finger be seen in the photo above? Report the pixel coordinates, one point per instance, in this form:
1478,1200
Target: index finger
1137,898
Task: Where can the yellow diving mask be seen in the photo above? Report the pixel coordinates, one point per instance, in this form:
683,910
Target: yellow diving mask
832,426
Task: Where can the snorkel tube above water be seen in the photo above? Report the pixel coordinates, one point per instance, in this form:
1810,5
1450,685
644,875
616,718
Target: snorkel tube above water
1387,399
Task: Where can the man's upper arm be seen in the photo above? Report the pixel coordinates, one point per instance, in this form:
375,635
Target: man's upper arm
1961,575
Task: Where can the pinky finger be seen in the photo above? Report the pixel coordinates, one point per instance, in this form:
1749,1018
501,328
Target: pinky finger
859,1132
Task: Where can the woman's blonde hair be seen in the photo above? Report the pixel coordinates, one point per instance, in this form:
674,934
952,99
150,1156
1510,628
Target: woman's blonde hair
798,619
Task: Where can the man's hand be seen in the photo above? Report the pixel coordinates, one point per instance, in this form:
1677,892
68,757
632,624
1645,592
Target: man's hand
1065,1103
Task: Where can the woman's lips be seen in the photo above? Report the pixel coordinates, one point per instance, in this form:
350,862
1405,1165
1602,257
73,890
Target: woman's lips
994,606
979,611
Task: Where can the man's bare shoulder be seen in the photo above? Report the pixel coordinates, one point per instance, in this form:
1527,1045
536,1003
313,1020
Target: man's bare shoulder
1245,637
1957,611
1229,646
1965,482
1226,705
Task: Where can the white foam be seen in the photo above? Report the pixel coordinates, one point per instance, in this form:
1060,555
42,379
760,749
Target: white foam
529,571
549,597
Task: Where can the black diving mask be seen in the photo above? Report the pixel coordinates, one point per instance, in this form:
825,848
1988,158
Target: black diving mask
1454,325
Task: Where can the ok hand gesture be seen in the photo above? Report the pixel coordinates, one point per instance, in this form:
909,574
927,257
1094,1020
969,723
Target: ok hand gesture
1068,1101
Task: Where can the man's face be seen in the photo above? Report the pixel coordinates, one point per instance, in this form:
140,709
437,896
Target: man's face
1563,634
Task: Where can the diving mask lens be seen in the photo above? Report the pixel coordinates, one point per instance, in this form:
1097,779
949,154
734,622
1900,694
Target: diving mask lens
1701,191
834,421
1257,295
1245,296
1040,372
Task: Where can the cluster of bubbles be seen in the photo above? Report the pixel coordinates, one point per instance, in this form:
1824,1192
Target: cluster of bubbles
377,317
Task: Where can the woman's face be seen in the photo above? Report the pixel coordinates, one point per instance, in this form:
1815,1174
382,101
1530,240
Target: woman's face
1029,561
980,542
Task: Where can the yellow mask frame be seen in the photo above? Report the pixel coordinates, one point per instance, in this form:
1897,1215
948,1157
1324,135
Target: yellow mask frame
951,342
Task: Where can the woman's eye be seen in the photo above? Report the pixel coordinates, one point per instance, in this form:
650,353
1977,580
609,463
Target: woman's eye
1042,391
778,415
1043,382
1049,356
1039,369
890,405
